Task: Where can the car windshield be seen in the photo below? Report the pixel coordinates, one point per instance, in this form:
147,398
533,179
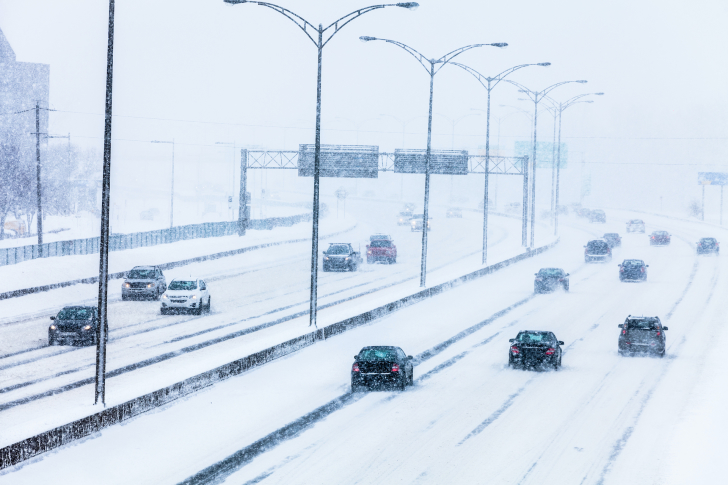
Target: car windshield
550,272
340,249
642,323
534,337
141,274
182,285
633,263
378,354
81,313
381,244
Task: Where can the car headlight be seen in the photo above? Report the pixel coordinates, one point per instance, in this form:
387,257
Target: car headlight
87,327
347,259
150,285
326,258
194,297
53,327
127,285
164,296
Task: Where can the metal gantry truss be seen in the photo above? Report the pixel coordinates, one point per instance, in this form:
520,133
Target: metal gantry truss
288,159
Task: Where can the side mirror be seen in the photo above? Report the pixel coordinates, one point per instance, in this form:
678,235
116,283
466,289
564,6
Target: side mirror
356,357
664,328
511,340
535,274
409,357
567,274
561,342
647,266
53,318
621,325
584,246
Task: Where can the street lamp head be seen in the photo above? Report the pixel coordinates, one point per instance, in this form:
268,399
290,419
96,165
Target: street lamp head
522,91
366,38
543,64
235,2
409,5
581,81
599,94
500,44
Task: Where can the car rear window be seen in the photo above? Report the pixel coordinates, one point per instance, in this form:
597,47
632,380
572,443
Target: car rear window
378,354
76,314
661,233
183,285
642,324
381,244
596,245
709,240
633,262
611,234
534,337
550,272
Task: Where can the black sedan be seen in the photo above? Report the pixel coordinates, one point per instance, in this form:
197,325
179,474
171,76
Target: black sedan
642,335
708,245
531,349
613,239
74,324
659,238
381,366
548,279
633,269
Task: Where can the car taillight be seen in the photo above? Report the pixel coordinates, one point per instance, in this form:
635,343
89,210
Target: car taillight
642,269
514,349
624,332
355,367
550,351
658,332
653,237
395,368
621,270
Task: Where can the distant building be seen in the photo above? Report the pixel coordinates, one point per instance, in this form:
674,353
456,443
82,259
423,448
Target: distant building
22,84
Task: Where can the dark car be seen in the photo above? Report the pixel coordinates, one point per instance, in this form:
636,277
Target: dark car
633,269
341,257
548,279
74,324
381,249
613,239
403,218
533,348
597,250
382,366
454,212
708,245
143,282
642,334
659,238
636,225
597,215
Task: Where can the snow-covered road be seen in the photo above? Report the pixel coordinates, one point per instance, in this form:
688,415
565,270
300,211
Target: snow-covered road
469,418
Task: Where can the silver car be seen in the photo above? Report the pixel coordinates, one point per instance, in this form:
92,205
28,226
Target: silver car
143,282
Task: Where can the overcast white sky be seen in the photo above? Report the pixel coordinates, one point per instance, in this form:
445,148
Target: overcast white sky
249,72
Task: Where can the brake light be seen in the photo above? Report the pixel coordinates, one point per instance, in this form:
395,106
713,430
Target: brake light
653,237
550,351
624,332
514,349
395,368
621,270
642,269
355,367
658,332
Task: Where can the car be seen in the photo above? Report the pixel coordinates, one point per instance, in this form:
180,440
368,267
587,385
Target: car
548,279
659,238
454,212
75,324
381,249
381,366
186,295
583,212
643,335
597,250
416,222
535,348
143,282
341,257
636,225
613,239
597,215
708,245
633,269
404,217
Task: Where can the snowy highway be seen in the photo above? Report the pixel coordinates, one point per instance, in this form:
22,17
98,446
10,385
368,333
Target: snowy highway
469,418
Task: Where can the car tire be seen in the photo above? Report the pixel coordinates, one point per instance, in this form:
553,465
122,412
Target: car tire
164,311
198,310
566,287
52,342
411,381
208,309
124,297
158,296
662,354
403,383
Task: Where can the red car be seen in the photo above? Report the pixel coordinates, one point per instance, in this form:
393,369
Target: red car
381,248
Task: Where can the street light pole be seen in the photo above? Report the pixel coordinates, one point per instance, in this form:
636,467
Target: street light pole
560,109
489,83
319,42
102,330
536,97
429,65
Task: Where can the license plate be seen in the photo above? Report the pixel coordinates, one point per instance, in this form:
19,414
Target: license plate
178,301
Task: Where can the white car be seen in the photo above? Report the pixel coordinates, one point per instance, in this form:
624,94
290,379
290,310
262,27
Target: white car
187,294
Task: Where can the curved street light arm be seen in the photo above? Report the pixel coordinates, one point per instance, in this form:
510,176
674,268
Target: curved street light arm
426,63
481,79
451,55
524,89
563,107
501,77
554,86
295,18
339,24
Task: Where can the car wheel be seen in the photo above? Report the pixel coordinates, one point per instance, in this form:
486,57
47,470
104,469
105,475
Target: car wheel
124,297
164,311
402,383
662,354
412,378
52,341
158,296
566,287
209,304
198,310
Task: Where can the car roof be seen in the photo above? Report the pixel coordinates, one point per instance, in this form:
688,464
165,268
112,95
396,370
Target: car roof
602,241
339,244
144,267
385,237
633,261
186,279
642,317
78,306
382,347
610,234
543,269
640,221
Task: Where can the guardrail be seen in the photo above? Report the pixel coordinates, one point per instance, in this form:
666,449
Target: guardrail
62,435
121,242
